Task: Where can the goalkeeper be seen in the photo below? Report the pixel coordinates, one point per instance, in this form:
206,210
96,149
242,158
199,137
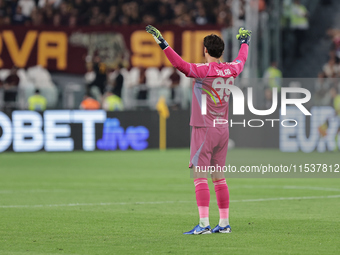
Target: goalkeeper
209,144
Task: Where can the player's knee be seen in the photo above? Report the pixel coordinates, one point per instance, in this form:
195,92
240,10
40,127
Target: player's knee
218,180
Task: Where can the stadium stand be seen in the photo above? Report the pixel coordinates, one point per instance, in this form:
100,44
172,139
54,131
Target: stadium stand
118,12
35,77
317,44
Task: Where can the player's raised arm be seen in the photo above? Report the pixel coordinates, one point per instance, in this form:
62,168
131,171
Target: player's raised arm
173,57
244,38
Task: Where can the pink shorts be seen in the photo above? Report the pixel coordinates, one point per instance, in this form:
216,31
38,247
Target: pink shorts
208,146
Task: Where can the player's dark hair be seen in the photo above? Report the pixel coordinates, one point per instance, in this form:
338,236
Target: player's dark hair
214,45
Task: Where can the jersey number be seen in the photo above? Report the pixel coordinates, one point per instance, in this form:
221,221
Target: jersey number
219,84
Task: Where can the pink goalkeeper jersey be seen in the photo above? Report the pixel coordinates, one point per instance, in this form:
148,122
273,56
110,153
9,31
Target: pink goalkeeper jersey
208,77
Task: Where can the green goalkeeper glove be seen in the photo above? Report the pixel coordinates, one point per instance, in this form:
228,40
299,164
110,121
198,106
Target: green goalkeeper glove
243,36
158,36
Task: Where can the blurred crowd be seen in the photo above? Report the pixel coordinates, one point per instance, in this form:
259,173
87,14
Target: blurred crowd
102,90
134,85
9,88
327,87
119,12
34,90
30,88
295,24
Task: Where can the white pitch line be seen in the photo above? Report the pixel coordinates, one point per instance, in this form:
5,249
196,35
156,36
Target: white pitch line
166,202
284,198
310,188
31,191
94,204
283,187
232,187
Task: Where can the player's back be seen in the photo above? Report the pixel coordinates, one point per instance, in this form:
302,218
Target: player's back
210,95
210,81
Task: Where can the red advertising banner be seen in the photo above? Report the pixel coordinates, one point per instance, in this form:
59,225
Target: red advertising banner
65,49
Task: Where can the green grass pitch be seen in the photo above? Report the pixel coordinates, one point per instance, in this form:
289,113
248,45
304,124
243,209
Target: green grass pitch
141,202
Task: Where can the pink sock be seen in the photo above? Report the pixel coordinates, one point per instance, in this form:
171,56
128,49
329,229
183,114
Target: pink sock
222,196
202,196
